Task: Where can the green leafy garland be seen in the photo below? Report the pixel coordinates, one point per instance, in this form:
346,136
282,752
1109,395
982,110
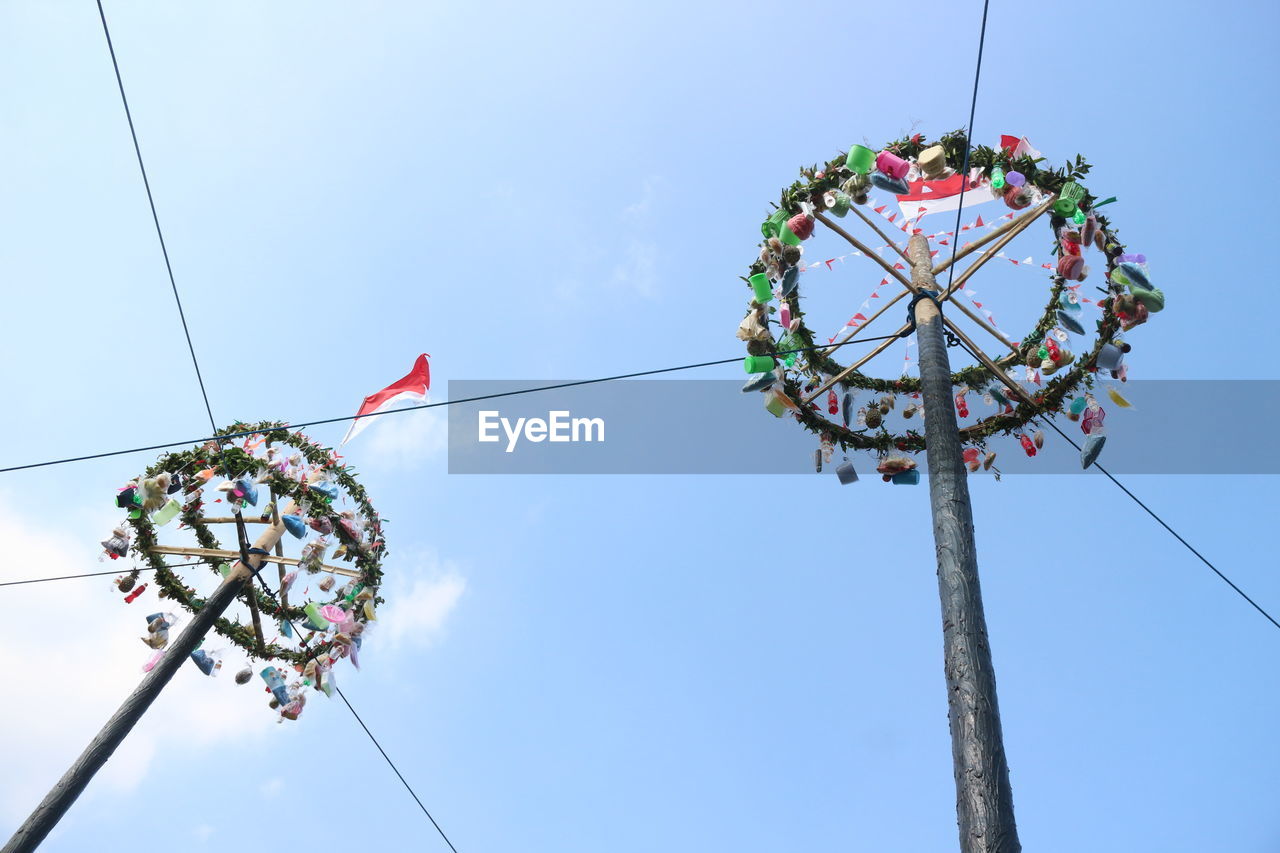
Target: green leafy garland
1048,400
232,462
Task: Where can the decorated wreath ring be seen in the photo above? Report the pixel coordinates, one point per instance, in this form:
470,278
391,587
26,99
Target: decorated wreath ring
1019,180
185,473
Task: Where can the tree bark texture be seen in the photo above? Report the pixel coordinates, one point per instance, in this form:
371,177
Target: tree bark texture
984,799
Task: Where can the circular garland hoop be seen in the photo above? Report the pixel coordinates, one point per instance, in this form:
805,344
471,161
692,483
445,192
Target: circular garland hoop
365,551
776,259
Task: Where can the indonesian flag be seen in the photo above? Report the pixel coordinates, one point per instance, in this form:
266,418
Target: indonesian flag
939,196
410,389
1018,147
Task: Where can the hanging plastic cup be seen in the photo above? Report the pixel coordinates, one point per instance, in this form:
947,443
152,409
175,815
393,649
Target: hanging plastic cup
763,289
166,513
1109,357
906,478
860,159
892,165
845,473
758,363
1068,199
773,224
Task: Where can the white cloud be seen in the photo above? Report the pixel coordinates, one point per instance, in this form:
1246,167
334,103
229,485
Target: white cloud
638,271
71,655
271,788
405,439
419,602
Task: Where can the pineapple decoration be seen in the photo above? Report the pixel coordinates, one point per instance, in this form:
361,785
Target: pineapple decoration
1053,370
326,594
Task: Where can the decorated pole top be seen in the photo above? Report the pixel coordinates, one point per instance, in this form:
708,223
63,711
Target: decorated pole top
1052,369
325,596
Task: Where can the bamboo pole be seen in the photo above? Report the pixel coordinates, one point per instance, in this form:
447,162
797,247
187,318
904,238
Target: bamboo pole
867,219
993,234
879,348
999,244
859,245
849,336
987,361
267,558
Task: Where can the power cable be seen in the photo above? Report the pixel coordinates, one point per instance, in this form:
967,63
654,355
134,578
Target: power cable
968,142
1050,423
234,435
102,574
137,149
213,424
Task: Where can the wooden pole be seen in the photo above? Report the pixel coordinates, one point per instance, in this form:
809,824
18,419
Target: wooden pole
984,799
73,782
862,247
235,555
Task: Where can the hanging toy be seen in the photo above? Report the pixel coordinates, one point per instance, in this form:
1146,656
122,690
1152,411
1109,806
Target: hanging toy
133,596
962,407
327,583
1094,415
845,473
1027,444
124,584
797,228
833,403
1038,438
244,676
312,556
997,178
872,417
118,545
155,491
828,447
846,410
817,460
971,460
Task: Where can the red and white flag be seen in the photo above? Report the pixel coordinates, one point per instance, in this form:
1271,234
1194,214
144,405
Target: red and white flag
410,389
1018,147
940,196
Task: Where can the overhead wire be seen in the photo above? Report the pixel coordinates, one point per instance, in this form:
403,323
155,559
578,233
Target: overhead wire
213,424
479,398
1047,421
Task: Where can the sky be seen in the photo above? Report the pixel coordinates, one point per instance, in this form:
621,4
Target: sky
626,663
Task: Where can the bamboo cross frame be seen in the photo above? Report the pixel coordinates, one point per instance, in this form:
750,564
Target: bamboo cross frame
235,555
1020,223
1002,235
892,245
860,246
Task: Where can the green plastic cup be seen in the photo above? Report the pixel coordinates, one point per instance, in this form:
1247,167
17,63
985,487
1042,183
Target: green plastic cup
861,159
771,225
763,289
1069,199
758,363
787,236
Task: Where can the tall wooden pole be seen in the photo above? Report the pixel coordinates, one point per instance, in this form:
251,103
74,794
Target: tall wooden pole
73,782
984,800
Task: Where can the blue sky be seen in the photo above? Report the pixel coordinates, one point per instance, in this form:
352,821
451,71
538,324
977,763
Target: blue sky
571,190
